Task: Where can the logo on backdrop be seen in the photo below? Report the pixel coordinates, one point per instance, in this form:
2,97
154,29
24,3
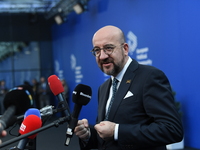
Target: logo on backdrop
76,68
141,53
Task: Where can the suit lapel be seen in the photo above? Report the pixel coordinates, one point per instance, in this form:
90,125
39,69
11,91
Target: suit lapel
123,88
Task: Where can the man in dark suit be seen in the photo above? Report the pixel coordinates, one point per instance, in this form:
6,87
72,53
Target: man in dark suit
143,115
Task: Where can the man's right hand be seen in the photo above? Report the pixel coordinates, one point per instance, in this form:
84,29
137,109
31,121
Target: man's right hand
82,129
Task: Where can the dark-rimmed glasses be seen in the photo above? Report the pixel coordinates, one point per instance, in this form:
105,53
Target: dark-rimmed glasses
107,49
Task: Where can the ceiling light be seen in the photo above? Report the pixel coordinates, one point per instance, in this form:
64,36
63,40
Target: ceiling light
58,19
78,8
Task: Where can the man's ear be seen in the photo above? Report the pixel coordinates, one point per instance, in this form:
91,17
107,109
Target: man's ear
126,48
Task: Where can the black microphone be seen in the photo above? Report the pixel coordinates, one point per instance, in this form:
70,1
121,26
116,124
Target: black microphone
57,89
16,101
81,96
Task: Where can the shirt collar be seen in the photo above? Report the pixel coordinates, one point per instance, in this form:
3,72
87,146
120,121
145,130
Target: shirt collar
121,74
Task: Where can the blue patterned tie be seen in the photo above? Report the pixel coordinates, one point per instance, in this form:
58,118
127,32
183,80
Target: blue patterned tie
114,88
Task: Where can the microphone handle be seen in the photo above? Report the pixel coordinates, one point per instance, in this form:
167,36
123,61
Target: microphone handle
73,123
7,117
74,118
70,130
77,110
22,143
65,105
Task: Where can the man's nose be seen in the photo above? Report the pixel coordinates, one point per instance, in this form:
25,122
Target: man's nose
103,55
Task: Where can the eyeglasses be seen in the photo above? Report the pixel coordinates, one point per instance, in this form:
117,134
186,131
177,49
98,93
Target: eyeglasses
107,49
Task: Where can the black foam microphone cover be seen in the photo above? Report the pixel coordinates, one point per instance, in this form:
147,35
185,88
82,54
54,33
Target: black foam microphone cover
21,97
82,94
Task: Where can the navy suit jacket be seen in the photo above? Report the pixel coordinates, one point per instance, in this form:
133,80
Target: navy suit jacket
147,118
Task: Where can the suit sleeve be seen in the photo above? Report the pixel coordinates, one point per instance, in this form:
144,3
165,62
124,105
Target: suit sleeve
163,124
92,143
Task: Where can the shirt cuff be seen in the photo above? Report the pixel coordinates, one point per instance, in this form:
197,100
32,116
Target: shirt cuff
116,132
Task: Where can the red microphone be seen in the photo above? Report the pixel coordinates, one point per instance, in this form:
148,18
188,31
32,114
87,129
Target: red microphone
29,124
55,85
57,88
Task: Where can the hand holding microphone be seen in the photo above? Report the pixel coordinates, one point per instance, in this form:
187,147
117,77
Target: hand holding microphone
82,130
81,96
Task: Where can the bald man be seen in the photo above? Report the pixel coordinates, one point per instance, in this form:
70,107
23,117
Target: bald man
136,108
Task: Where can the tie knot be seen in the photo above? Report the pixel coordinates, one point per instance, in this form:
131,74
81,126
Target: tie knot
115,81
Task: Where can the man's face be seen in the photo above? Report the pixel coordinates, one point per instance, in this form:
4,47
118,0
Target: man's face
110,64
110,61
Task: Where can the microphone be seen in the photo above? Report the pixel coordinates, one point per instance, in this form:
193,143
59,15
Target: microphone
32,111
57,89
81,96
16,101
30,123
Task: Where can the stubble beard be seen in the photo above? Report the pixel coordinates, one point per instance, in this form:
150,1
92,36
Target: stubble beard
115,70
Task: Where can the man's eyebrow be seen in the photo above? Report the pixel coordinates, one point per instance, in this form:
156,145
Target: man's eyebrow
96,47
104,45
108,45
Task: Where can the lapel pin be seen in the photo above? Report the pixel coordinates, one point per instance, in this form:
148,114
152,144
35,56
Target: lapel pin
128,81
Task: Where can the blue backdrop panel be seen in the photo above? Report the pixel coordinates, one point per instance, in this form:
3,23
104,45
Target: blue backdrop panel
6,65
161,33
22,66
